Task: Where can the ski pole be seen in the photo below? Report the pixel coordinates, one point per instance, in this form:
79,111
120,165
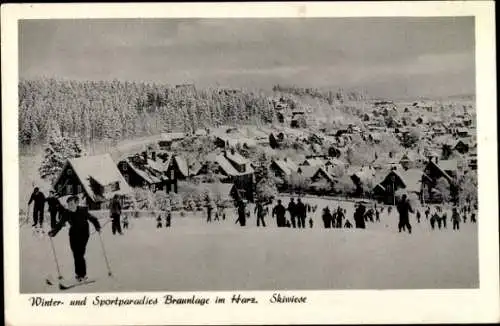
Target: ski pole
104,253
59,276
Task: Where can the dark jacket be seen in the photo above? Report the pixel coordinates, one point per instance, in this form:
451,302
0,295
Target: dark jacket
279,210
292,208
300,210
404,208
53,203
78,221
38,198
115,208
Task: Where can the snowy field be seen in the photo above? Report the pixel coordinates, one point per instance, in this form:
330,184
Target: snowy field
195,256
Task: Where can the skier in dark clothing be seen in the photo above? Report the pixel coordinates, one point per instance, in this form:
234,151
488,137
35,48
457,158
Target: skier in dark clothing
158,222
340,217
260,211
433,220
53,204
377,215
78,219
427,213
418,216
279,211
347,224
209,212
438,220
115,212
39,203
301,212
359,216
241,213
311,223
444,218
404,208
473,218
292,210
327,218
455,218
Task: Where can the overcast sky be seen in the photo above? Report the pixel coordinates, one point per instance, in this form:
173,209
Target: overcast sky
383,56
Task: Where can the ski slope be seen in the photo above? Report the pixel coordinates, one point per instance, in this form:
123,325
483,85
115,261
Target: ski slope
195,256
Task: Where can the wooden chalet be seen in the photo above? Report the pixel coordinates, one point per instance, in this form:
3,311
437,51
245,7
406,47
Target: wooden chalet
411,180
233,168
94,179
142,170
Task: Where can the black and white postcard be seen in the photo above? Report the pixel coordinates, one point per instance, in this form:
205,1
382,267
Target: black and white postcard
257,163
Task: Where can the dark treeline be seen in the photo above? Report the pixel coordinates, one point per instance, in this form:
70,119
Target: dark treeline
114,110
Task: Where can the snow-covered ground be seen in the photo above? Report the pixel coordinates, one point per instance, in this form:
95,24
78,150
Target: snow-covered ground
195,256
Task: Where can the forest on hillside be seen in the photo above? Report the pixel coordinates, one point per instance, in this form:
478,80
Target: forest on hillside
98,110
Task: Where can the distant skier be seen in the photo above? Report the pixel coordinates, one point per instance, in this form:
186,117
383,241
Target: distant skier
455,218
347,224
53,204
377,215
443,219
465,218
404,208
209,211
427,213
311,223
418,216
78,219
340,217
359,216
327,218
241,209
292,210
473,218
260,212
115,212
433,220
279,211
438,220
38,198
158,222
125,222
301,212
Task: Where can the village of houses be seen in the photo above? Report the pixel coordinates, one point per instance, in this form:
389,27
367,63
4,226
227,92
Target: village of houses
445,150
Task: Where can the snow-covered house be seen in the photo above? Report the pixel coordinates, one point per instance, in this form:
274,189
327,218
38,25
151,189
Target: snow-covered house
167,139
283,168
233,168
94,178
148,171
411,180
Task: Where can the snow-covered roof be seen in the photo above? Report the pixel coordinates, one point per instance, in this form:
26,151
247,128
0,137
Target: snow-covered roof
412,179
182,165
313,162
170,136
287,166
448,165
236,157
143,173
307,171
102,169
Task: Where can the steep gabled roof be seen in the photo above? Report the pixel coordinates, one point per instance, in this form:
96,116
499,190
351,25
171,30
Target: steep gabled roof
182,165
236,158
102,169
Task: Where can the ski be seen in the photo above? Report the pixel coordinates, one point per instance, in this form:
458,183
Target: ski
68,286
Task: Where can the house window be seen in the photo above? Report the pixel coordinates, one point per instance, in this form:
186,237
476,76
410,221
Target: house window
69,189
153,188
78,189
124,166
59,188
69,172
127,178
